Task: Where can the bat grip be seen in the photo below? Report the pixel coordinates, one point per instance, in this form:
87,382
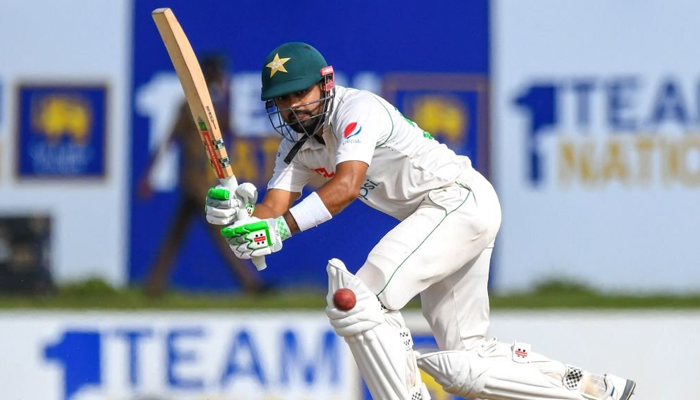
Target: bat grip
231,183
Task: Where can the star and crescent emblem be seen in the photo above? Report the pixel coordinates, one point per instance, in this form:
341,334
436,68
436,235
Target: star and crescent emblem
277,64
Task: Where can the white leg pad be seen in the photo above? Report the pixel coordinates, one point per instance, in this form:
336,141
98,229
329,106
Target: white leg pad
381,346
498,371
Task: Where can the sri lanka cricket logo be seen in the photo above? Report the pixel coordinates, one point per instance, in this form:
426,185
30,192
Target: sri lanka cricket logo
62,115
442,115
61,130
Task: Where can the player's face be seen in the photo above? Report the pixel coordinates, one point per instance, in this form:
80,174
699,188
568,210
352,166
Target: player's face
299,109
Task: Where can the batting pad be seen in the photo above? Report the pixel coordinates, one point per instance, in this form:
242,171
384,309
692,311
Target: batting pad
498,371
380,350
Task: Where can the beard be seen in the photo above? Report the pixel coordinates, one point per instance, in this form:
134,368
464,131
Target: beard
307,125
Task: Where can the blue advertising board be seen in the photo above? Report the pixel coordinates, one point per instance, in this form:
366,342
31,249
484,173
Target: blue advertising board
442,50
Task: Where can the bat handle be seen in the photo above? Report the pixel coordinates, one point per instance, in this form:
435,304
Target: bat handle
231,183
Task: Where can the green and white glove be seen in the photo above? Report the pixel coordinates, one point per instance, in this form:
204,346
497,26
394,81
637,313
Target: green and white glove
222,206
256,237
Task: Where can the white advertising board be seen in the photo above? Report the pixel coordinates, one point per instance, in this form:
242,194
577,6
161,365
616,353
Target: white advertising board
657,349
54,51
297,356
174,356
596,117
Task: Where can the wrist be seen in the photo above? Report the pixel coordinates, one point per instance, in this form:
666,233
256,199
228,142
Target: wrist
250,209
282,228
310,212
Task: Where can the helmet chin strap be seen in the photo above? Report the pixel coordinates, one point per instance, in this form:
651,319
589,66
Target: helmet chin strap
293,152
297,146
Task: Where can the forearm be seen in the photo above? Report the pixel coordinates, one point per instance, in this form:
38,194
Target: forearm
263,211
317,208
330,195
336,195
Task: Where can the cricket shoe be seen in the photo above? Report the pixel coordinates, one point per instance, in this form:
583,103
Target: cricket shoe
618,388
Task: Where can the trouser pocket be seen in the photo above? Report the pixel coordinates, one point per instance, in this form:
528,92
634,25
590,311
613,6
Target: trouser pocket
449,198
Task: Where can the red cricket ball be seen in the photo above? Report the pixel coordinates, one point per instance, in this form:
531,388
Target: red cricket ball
344,299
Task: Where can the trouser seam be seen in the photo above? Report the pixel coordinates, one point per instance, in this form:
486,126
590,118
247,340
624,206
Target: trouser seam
447,214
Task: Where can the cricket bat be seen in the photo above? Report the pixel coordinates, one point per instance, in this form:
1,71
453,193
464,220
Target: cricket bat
197,94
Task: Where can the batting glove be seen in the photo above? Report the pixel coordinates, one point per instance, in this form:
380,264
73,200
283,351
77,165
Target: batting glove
222,205
255,237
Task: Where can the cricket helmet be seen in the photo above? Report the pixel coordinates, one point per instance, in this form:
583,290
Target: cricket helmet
290,68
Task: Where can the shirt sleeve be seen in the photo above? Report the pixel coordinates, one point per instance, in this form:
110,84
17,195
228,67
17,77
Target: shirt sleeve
360,125
291,177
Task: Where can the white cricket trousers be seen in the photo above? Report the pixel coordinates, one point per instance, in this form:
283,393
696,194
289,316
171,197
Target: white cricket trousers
442,252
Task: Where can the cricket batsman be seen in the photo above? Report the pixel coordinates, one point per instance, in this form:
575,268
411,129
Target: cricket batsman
441,249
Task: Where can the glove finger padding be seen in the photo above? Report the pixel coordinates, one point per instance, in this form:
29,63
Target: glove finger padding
219,193
222,204
217,216
247,192
247,195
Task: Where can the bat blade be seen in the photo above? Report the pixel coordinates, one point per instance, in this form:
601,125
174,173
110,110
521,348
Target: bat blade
197,94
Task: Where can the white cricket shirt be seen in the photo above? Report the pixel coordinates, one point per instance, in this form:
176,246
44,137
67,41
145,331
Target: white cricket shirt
404,164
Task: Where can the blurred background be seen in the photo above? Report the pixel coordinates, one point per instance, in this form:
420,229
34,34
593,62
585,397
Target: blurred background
584,114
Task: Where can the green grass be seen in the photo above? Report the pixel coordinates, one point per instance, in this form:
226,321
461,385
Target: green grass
566,294
574,301
95,294
554,294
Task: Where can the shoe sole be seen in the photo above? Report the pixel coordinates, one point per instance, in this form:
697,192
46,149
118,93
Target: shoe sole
629,390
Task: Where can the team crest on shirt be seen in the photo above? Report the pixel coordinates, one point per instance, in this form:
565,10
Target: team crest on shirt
353,129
